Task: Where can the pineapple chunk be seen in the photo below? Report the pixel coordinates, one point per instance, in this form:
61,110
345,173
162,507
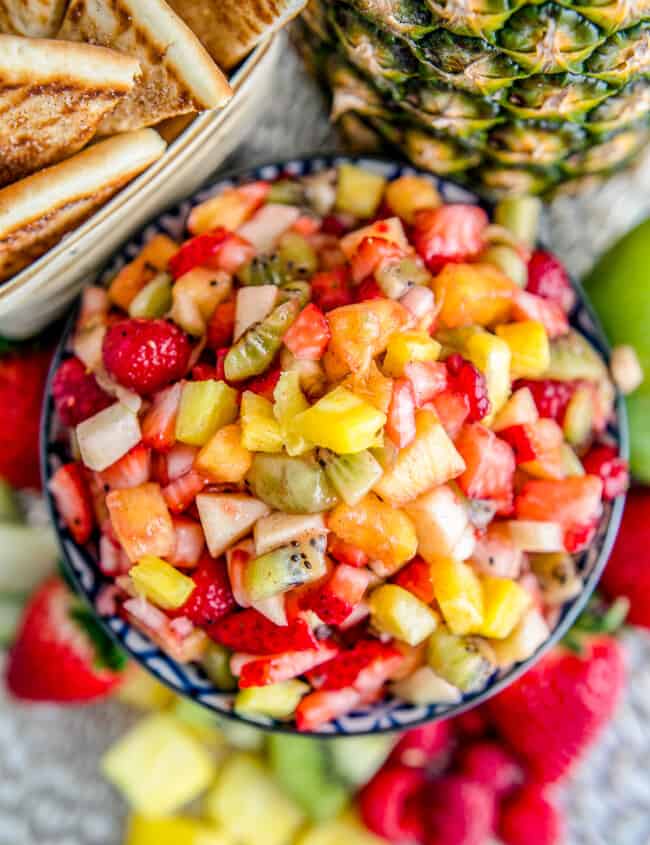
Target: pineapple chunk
383,532
226,518
530,352
472,294
173,830
405,347
278,701
250,806
159,582
153,259
397,612
520,409
141,521
410,194
223,459
425,687
360,332
359,190
261,432
458,592
141,762
346,830
531,632
431,459
491,355
107,436
340,421
289,402
141,690
441,523
206,406
504,603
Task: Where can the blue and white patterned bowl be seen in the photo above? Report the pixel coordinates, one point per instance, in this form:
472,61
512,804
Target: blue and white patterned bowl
189,680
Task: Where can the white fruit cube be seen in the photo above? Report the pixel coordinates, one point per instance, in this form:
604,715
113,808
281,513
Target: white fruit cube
107,436
227,518
253,305
442,525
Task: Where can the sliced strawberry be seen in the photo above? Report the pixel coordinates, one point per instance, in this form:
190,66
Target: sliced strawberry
264,385
449,233
612,470
212,597
221,326
416,578
180,493
263,671
73,500
346,552
400,425
180,460
319,708
190,543
389,804
428,379
203,372
466,380
452,411
249,631
335,600
235,251
331,288
365,667
551,397
367,290
159,423
527,306
199,251
489,465
548,278
309,335
537,447
76,393
370,255
131,470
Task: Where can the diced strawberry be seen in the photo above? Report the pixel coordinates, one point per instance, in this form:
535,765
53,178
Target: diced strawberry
180,493
537,447
319,708
367,290
212,597
551,397
548,278
283,667
264,385
365,667
203,372
112,560
306,225
337,224
190,543
400,425
73,501
346,552
159,423
489,465
527,306
371,254
130,470
466,380
452,411
309,335
449,233
250,632
197,252
389,804
428,379
76,393
331,288
336,599
220,366
180,460
612,470
221,325
159,472
234,252
416,578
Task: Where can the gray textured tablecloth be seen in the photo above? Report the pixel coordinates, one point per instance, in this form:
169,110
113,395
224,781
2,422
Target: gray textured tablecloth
50,789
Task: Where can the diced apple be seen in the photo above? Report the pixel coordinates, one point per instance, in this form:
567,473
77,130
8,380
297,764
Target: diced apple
107,436
425,687
227,518
271,221
253,304
532,536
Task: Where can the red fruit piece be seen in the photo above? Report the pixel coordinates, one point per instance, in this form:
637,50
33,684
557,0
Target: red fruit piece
425,747
472,724
335,600
309,335
158,425
530,818
180,493
612,470
531,714
197,252
371,254
548,278
249,631
132,470
452,411
541,442
464,378
490,465
628,570
189,543
427,378
528,306
400,425
234,252
364,667
73,500
318,708
221,325
449,233
55,655
346,552
491,765
76,393
22,383
416,578
457,811
551,397
282,667
369,289
203,372
146,355
264,385
389,804
212,597
331,288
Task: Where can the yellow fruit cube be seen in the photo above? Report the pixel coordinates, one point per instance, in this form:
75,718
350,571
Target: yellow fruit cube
261,432
406,347
504,604
431,459
223,459
360,332
359,190
159,766
410,194
385,533
159,582
229,209
153,258
530,351
247,803
205,407
173,830
289,402
459,594
141,521
397,612
472,294
491,355
141,690
196,294
278,701
341,421
520,409
346,830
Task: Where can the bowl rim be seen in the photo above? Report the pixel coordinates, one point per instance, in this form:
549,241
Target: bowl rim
569,611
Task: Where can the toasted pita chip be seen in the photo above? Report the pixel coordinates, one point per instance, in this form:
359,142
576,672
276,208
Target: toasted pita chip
53,96
231,28
177,73
35,18
38,211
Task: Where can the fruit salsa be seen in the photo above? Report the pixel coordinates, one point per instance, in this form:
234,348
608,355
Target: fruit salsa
340,443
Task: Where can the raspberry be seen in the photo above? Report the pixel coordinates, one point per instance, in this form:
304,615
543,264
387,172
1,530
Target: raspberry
466,379
389,804
529,818
548,278
489,764
76,393
425,747
146,355
551,397
458,811
604,462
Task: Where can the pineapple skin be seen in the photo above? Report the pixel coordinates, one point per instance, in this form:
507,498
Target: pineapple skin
512,97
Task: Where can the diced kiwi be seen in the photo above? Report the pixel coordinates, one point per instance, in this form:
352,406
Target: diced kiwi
295,291
262,270
461,661
298,256
292,485
573,358
154,300
395,278
255,350
284,568
557,576
286,192
352,476
9,505
216,663
579,417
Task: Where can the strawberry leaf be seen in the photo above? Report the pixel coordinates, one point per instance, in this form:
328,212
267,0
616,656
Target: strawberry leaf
108,655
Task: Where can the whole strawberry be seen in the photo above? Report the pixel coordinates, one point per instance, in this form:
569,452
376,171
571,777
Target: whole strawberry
558,708
531,818
60,653
628,570
146,355
76,393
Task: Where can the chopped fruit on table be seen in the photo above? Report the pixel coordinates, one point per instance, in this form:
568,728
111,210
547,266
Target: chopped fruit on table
339,455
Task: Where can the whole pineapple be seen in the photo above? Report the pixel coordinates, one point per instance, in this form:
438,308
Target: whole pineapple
513,95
